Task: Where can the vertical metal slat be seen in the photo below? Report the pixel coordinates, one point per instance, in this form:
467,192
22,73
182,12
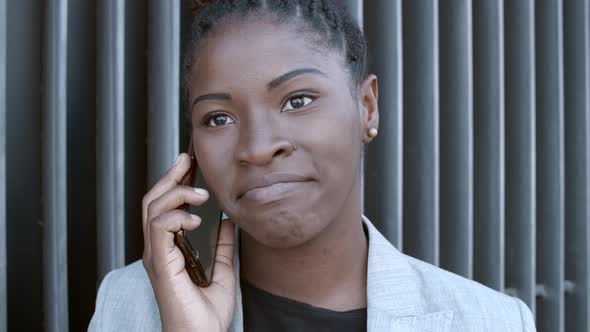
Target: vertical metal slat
577,163
550,165
383,176
55,168
164,87
111,140
3,295
456,132
488,18
421,130
355,8
520,149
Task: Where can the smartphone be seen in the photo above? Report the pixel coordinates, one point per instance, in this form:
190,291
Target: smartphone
199,246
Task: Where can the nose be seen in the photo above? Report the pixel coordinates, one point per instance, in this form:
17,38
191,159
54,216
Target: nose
261,142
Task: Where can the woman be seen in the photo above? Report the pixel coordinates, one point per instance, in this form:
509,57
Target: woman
280,105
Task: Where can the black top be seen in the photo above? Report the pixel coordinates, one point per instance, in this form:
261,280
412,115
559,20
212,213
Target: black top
264,311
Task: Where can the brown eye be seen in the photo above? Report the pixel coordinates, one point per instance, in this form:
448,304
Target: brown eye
296,102
220,119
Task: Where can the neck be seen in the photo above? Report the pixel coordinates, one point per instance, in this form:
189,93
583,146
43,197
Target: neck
329,271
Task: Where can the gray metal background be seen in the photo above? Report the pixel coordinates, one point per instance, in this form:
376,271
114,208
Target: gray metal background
481,166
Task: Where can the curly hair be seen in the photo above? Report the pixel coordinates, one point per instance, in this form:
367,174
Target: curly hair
322,18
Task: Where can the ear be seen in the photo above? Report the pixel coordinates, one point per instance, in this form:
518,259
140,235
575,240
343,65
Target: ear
369,91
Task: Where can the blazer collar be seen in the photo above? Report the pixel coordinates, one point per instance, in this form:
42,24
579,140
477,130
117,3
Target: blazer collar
394,300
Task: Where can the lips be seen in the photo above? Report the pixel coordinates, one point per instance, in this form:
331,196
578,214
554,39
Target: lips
271,186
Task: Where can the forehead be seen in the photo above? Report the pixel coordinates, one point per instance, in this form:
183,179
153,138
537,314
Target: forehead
255,50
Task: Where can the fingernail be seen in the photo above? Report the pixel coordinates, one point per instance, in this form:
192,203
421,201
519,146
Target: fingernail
201,191
177,160
195,218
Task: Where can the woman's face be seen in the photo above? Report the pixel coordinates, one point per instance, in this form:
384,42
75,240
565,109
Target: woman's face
276,131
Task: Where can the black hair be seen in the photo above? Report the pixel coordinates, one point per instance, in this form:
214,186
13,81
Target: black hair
328,20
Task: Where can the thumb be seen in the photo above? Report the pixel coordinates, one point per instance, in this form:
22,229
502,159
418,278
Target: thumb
224,256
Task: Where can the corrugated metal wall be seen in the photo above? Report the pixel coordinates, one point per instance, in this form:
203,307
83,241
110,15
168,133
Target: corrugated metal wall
482,164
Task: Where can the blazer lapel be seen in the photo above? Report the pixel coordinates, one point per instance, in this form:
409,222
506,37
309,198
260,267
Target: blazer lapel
394,299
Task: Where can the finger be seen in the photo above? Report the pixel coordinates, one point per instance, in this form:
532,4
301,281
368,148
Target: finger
162,231
176,197
172,178
224,256
167,182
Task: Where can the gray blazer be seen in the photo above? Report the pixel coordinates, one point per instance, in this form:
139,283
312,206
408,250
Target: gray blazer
403,294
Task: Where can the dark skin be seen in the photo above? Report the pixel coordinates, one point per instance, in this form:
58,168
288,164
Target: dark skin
277,132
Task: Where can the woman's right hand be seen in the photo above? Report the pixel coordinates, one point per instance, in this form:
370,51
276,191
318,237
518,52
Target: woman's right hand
183,305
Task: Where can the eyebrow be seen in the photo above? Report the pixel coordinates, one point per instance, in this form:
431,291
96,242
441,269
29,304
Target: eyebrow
292,74
216,96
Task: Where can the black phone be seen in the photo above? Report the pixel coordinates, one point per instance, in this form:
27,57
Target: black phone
200,245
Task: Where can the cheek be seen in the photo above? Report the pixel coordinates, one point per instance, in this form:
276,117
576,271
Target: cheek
332,138
214,154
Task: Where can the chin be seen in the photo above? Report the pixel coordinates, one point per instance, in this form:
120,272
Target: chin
284,229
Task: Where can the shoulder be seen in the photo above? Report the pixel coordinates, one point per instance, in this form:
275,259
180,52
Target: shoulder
404,286
471,302
126,302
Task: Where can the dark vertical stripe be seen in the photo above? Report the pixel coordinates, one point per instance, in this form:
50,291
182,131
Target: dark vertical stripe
488,37
421,130
164,87
3,104
24,214
550,164
136,104
383,172
81,156
456,137
577,163
520,149
111,133
55,168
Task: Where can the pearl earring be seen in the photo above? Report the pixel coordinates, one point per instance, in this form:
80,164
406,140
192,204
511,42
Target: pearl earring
373,132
